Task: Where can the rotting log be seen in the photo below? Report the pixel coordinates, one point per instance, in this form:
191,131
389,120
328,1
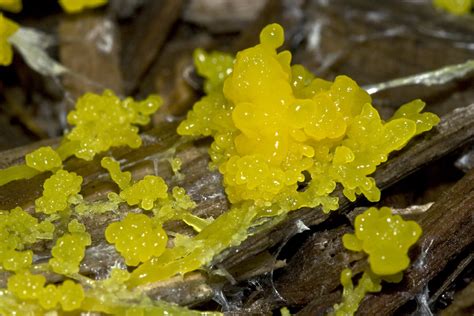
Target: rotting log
145,38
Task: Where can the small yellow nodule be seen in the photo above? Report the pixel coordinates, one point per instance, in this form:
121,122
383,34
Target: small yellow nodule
386,238
76,6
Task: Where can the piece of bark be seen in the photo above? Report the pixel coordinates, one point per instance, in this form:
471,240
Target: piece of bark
145,38
124,9
223,16
170,74
310,274
89,47
190,289
11,135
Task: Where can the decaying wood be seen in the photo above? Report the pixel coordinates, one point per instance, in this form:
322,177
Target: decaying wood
147,35
223,16
383,40
89,47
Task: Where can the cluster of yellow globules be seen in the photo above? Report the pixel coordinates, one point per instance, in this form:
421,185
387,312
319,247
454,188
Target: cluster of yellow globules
94,118
57,189
352,296
137,238
275,126
145,192
18,229
272,122
105,121
100,122
386,239
69,249
31,287
44,159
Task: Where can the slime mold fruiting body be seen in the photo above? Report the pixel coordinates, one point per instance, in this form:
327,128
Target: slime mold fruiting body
273,122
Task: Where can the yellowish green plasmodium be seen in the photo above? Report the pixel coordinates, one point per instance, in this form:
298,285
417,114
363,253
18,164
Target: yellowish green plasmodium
145,192
412,111
84,208
96,118
43,159
351,297
26,285
69,249
271,122
111,296
176,164
228,230
327,129
118,176
385,238
31,287
137,238
457,7
100,122
18,230
104,121
57,190
76,6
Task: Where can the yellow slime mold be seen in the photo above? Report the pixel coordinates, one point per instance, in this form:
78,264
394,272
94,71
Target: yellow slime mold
137,238
18,229
75,6
351,297
70,249
43,159
145,192
118,176
273,122
104,121
57,190
386,238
